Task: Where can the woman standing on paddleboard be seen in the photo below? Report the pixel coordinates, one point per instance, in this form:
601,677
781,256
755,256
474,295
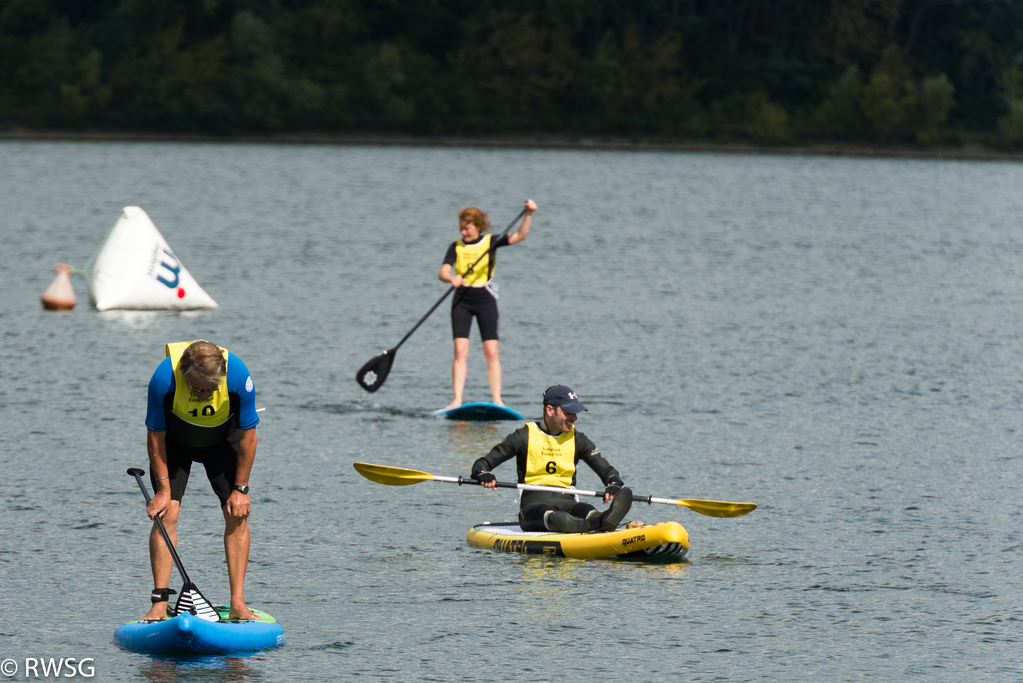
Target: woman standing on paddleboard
477,293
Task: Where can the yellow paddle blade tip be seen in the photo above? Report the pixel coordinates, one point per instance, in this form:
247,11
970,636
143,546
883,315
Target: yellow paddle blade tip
718,508
391,476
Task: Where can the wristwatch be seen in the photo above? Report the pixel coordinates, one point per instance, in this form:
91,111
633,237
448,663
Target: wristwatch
244,488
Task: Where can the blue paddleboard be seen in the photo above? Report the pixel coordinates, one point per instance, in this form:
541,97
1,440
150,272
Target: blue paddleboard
483,412
188,634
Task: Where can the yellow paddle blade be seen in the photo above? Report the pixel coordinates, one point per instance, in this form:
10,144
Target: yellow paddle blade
391,476
718,508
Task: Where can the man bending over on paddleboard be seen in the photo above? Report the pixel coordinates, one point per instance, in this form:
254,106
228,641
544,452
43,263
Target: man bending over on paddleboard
477,294
201,409
547,454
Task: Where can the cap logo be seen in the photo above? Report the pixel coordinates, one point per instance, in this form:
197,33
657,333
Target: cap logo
572,396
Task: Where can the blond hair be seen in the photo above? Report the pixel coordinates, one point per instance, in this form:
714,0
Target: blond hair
205,360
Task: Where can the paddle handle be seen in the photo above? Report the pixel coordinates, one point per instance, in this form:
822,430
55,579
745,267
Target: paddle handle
137,473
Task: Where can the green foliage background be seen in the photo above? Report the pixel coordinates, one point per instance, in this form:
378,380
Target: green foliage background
771,71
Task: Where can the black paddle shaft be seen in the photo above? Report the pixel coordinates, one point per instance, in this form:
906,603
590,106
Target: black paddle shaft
380,365
137,473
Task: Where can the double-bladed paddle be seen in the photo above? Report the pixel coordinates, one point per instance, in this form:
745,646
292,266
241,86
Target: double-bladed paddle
190,599
371,376
397,476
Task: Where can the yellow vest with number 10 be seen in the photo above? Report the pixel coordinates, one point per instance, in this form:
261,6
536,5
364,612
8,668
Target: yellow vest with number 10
466,255
212,412
550,460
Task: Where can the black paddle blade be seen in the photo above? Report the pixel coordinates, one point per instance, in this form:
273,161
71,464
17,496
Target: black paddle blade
192,601
371,376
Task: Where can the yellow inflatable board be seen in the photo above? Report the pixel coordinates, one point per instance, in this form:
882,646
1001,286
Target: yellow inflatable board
667,539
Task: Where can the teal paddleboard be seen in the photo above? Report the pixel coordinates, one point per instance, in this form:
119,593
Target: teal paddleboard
480,412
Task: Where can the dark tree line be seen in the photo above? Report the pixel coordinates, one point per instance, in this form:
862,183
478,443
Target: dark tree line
767,70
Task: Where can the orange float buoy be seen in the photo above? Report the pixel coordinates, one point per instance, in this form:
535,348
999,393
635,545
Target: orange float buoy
60,296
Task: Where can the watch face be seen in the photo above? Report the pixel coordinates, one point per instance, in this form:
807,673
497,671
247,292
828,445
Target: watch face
243,489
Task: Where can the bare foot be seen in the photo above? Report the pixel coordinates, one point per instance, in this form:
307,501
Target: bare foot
157,613
499,402
453,404
242,613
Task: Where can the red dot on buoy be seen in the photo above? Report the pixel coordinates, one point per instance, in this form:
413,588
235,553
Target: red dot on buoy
181,292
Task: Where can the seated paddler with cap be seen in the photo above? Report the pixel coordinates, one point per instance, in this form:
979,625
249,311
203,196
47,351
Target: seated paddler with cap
201,409
548,453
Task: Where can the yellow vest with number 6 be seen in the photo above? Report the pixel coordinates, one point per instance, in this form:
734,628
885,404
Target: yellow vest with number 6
467,254
194,422
550,460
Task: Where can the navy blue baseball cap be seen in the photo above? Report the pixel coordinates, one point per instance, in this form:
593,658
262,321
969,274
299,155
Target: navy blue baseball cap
560,395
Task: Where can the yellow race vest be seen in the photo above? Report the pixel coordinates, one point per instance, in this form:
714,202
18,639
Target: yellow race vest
550,460
195,422
466,255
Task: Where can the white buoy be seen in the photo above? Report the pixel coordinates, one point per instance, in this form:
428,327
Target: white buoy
135,269
60,295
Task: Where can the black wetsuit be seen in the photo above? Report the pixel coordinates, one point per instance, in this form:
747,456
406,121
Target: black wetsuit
535,504
475,301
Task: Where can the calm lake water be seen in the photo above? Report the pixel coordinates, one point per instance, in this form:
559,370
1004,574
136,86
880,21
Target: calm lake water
837,340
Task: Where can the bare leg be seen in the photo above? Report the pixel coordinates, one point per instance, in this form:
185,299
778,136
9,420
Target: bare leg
493,369
236,545
160,558
459,369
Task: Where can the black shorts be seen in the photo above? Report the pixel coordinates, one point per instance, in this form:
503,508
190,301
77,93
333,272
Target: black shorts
221,465
474,301
536,503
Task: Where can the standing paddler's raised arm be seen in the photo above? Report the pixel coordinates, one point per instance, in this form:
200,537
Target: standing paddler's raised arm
527,221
